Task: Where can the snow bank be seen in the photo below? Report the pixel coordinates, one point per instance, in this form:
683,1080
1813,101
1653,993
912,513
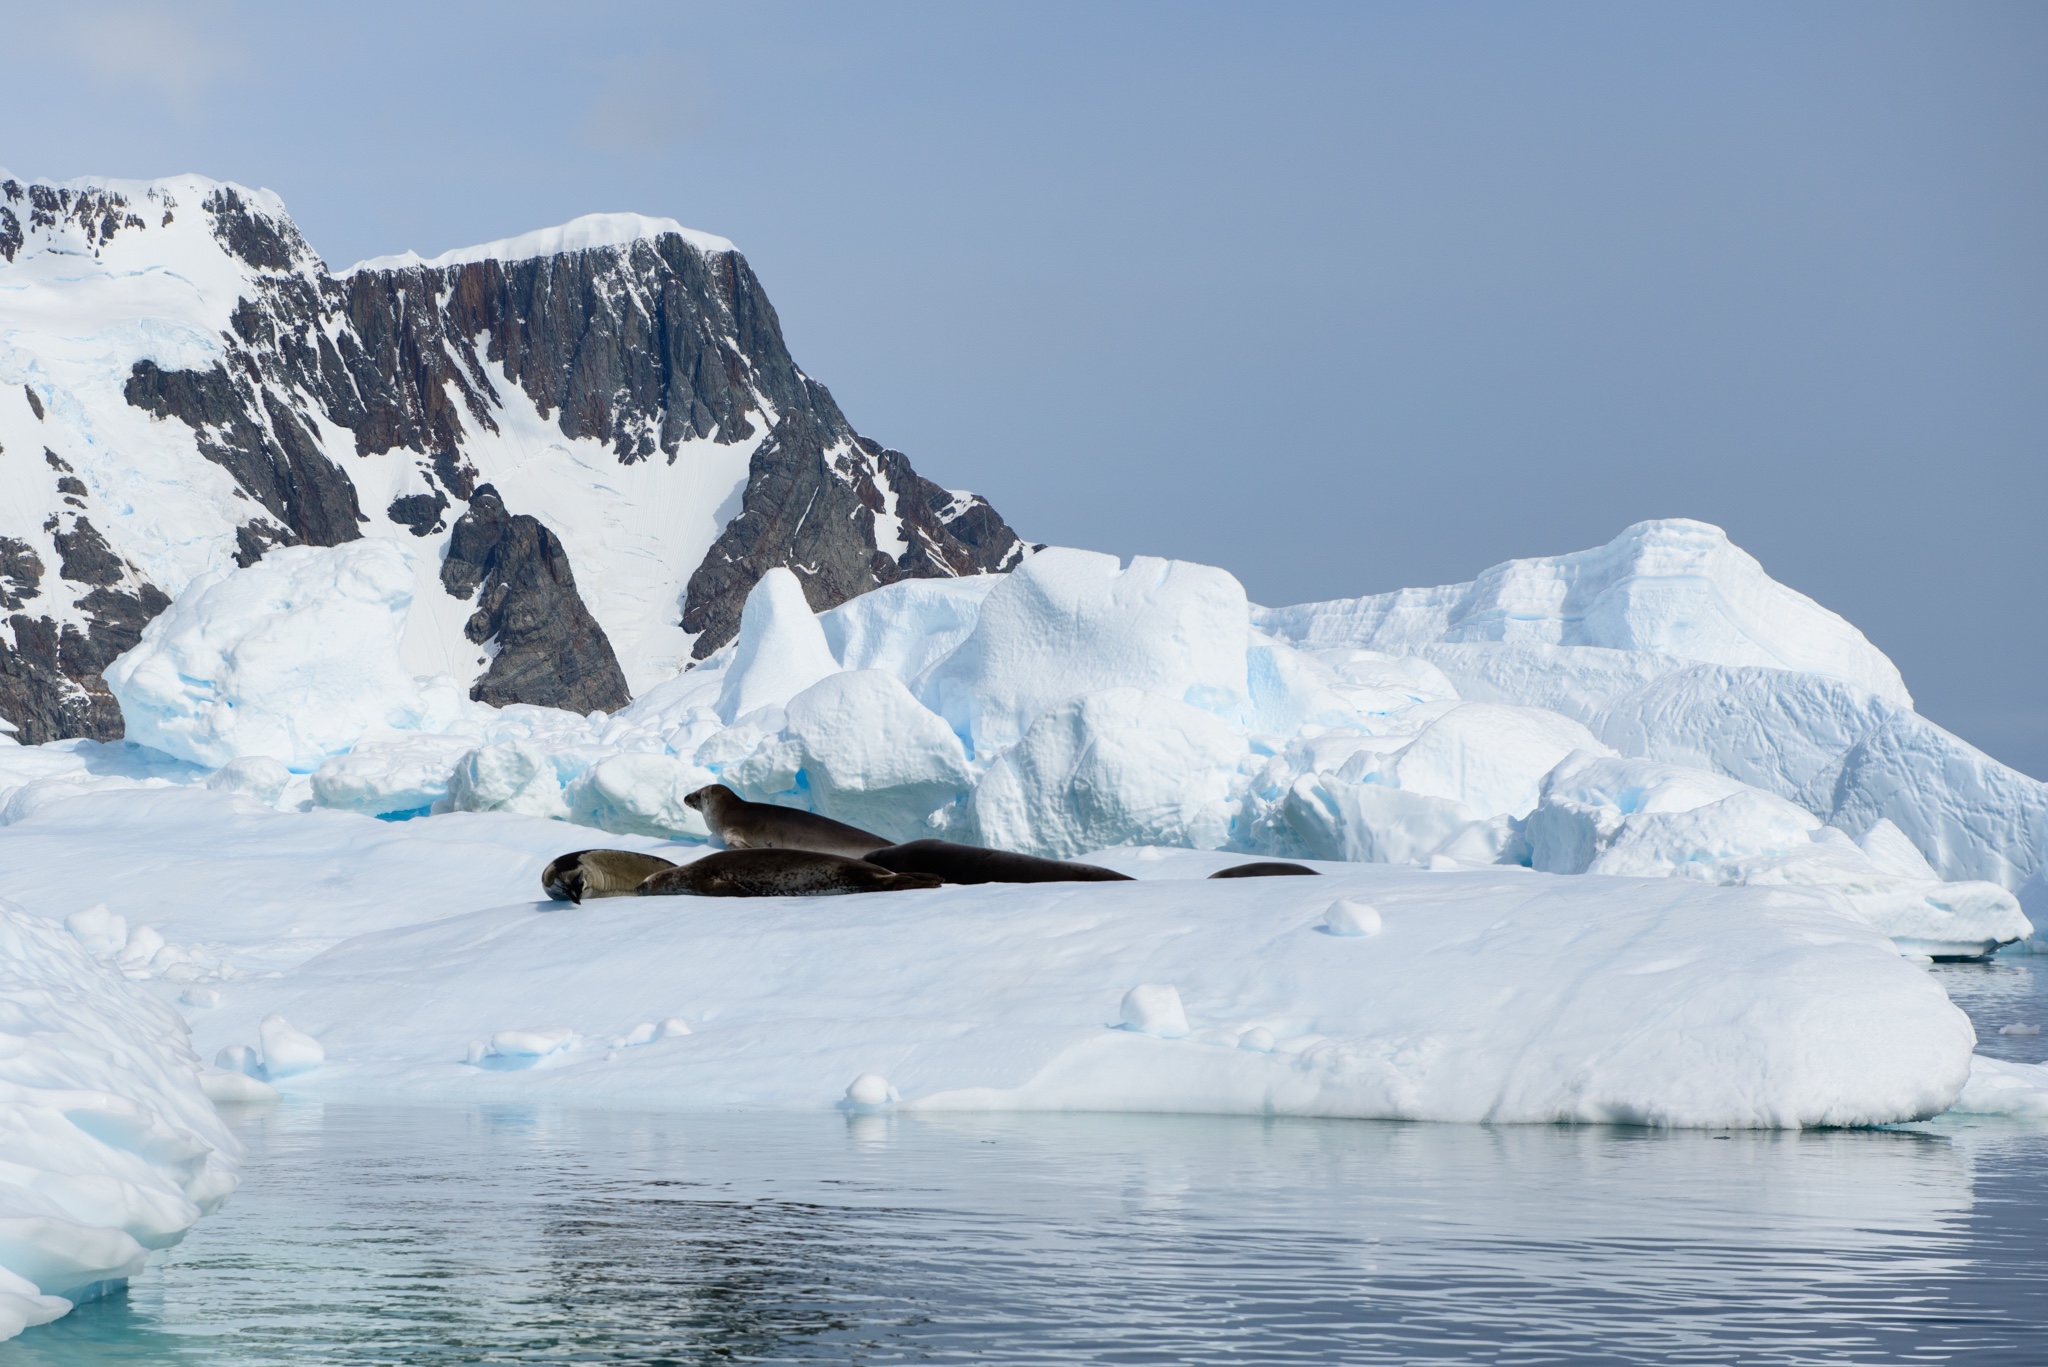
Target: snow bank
110,1148
294,657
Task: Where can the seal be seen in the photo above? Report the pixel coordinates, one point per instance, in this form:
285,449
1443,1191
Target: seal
972,864
1265,868
744,825
777,873
599,873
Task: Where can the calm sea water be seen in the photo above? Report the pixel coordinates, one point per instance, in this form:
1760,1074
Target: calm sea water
378,1235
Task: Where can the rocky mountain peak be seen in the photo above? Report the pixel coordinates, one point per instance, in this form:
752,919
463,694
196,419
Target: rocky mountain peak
613,395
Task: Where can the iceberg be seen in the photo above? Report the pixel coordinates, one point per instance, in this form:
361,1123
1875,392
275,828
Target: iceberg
110,1148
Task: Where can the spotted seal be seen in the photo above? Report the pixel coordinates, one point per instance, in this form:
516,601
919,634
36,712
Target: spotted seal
1265,868
599,873
744,825
972,864
778,873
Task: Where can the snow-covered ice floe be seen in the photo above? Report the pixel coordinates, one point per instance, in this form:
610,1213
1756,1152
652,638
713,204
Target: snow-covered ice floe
109,1147
357,959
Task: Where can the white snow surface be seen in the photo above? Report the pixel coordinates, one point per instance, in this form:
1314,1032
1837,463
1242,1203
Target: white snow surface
109,1147
577,235
420,960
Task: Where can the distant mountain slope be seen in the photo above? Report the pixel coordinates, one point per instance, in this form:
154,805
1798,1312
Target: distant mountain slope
592,441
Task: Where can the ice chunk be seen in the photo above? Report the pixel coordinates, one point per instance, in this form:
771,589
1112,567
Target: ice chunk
256,777
869,1092
510,776
874,756
1258,1039
1154,1009
287,1051
531,1043
781,650
671,1027
1489,758
381,778
2019,1029
295,657
1997,1087
22,1306
239,1058
639,795
234,1084
143,944
1352,916
98,929
111,1148
906,627
1118,767
1373,823
1069,622
203,998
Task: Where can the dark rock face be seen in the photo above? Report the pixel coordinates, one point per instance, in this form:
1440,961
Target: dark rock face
642,346
550,649
803,493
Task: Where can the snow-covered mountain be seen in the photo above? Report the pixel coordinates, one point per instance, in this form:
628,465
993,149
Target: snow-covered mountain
591,442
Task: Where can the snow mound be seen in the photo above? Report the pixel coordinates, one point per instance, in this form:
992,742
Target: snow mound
110,1148
587,233
1673,587
295,657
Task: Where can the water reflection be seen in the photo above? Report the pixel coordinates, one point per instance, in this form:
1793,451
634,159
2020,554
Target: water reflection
530,1235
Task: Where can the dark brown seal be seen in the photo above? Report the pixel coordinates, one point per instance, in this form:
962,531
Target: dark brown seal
1265,868
599,873
972,864
744,825
778,873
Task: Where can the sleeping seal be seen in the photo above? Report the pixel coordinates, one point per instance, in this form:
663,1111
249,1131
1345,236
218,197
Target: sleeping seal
777,873
971,864
745,825
1265,868
599,873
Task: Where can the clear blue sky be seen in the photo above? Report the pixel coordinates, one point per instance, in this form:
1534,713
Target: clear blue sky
1343,297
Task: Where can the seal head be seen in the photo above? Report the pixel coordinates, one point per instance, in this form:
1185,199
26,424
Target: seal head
777,873
599,873
744,825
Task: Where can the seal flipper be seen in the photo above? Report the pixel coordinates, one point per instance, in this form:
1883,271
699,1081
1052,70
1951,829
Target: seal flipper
1265,868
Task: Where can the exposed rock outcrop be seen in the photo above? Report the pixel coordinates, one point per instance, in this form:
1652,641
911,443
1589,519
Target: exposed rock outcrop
547,648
